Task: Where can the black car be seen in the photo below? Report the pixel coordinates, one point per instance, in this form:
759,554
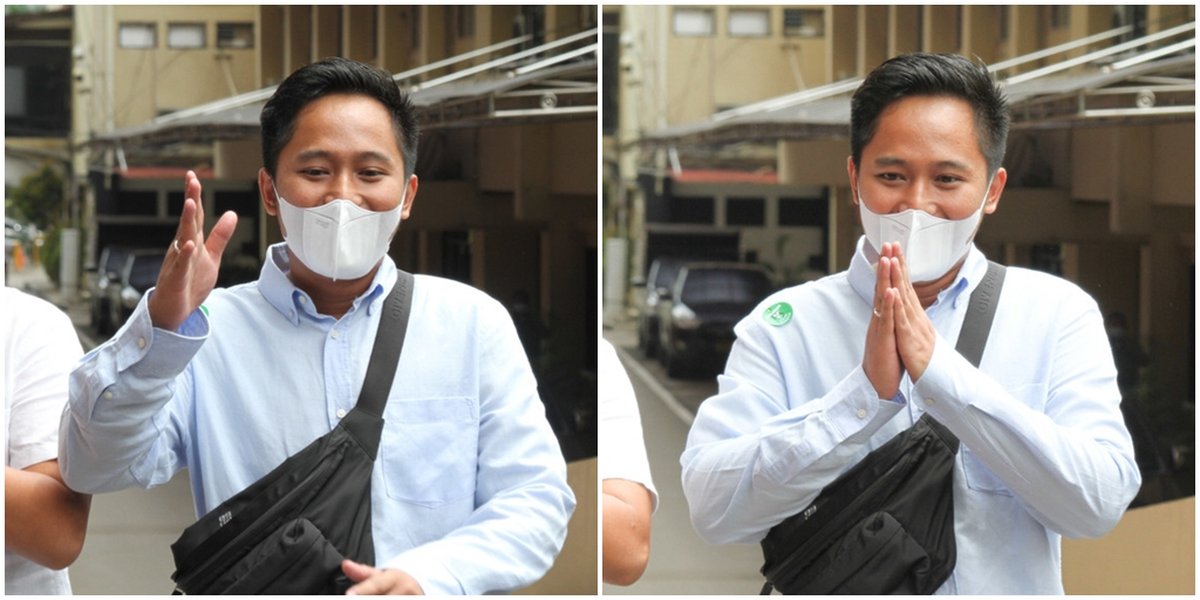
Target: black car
698,316
137,274
108,271
658,285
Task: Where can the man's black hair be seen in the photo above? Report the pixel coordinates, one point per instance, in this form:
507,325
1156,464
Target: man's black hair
335,76
924,74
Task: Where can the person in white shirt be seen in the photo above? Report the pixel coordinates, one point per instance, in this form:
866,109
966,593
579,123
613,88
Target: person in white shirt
629,495
44,521
825,372
468,492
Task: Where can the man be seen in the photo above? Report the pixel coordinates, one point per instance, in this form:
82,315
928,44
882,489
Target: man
825,372
468,492
44,521
629,495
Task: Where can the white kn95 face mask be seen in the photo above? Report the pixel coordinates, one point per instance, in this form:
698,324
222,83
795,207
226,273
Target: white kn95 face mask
932,245
339,239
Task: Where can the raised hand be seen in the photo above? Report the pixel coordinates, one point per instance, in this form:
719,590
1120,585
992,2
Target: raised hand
915,333
189,270
881,358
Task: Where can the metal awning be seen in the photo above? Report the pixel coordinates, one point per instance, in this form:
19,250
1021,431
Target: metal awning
1137,79
548,82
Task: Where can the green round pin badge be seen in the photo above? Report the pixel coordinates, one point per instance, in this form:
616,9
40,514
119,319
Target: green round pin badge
778,314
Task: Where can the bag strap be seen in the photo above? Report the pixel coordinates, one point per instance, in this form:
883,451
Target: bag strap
980,314
389,340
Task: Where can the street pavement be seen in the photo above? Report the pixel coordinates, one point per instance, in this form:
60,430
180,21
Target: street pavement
681,563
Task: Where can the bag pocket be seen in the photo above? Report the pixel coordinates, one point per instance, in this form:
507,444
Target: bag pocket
875,556
295,559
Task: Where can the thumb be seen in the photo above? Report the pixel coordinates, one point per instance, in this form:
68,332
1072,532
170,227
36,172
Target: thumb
355,571
221,232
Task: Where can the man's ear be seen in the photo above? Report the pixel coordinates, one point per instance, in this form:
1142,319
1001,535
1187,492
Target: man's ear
266,192
850,171
410,196
995,191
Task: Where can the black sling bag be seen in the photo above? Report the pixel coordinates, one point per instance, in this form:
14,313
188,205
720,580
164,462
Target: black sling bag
288,532
886,526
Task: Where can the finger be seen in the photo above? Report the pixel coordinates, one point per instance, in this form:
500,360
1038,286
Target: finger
882,282
218,238
187,222
355,571
374,585
195,193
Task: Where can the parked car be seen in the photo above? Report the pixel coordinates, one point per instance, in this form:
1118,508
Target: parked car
697,317
658,284
137,275
108,271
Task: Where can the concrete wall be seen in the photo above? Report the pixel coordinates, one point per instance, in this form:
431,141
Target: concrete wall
148,82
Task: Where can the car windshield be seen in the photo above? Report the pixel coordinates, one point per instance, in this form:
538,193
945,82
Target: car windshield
145,271
720,286
112,259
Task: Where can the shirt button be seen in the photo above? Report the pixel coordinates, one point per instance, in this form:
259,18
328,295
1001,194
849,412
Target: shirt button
929,401
333,334
341,412
303,300
141,342
108,395
862,413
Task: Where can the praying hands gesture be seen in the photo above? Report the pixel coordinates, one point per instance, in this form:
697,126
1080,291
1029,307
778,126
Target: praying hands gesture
900,336
189,270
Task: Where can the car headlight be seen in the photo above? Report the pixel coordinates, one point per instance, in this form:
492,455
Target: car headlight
684,317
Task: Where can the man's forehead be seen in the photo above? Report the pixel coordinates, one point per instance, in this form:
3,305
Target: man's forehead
365,155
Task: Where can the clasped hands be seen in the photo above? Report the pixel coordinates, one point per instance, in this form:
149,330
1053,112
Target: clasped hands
900,336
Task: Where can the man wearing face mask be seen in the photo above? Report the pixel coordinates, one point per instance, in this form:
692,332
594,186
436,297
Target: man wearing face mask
468,493
825,372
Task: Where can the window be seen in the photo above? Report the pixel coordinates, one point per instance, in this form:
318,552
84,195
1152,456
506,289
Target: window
693,22
137,35
235,35
14,92
803,212
745,211
182,36
692,210
749,22
803,22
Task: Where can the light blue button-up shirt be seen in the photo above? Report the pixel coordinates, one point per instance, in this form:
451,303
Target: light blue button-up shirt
469,491
1045,452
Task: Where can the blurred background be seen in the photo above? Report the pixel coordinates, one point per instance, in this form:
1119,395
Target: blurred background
725,132
106,108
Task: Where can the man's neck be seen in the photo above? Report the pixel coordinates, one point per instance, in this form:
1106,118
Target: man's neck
927,291
333,298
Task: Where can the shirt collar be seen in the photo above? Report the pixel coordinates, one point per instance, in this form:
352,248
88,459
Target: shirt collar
291,301
862,274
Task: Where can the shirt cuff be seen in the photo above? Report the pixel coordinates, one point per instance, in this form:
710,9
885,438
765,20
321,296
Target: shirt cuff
943,387
173,351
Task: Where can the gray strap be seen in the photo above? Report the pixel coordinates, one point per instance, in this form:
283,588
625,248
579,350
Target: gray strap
389,340
980,313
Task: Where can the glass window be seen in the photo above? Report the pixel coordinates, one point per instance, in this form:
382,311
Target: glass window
693,210
745,211
182,36
749,22
803,212
137,35
144,271
235,35
693,22
803,22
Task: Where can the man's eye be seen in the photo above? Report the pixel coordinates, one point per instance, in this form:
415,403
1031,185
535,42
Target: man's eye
313,172
889,176
372,173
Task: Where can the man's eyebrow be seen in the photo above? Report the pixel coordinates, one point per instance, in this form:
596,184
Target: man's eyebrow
895,161
369,155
